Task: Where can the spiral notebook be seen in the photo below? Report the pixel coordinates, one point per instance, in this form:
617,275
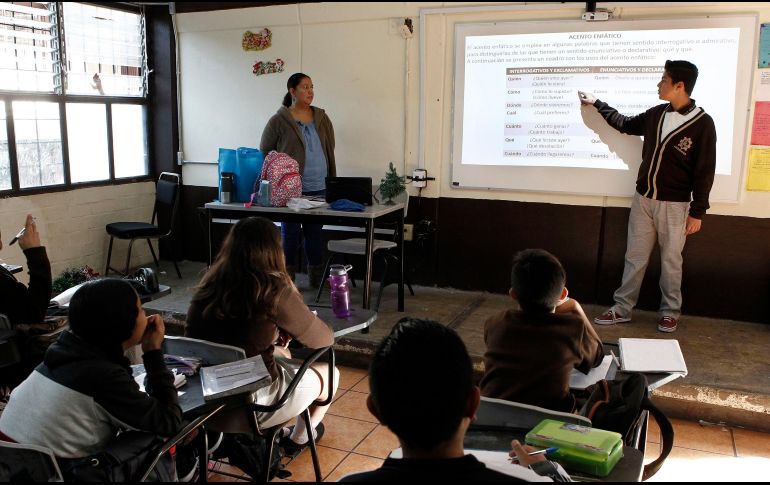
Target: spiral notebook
651,355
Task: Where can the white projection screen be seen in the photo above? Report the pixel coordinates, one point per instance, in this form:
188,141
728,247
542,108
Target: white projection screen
518,123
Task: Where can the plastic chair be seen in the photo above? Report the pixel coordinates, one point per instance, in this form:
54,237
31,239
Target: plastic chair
28,463
213,353
161,225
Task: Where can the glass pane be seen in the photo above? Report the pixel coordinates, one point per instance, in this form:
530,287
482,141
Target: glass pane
128,140
105,53
5,159
87,142
38,143
27,46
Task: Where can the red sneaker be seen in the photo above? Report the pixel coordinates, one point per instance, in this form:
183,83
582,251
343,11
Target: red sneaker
667,324
610,318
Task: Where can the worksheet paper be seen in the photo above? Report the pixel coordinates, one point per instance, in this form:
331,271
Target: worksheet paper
578,380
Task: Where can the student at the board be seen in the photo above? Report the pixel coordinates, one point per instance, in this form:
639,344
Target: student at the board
672,189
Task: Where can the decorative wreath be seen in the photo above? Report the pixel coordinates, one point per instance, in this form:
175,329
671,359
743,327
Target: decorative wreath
267,67
257,42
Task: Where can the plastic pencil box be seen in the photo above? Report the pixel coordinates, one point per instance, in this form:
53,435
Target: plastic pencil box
583,449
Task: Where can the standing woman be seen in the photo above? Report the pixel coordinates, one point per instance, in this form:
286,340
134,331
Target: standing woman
306,134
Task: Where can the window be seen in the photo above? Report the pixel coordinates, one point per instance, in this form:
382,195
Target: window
72,95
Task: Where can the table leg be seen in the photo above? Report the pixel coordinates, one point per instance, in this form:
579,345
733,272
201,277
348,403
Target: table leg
400,241
211,235
369,259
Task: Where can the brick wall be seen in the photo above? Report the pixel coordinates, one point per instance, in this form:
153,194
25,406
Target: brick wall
71,225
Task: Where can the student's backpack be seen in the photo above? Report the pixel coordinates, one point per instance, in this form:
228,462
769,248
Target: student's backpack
282,172
617,405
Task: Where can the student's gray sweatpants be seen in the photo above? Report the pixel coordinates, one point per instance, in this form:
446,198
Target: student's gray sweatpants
651,221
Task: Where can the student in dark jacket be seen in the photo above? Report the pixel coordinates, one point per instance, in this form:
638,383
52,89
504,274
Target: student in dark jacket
530,352
421,388
83,393
672,189
27,304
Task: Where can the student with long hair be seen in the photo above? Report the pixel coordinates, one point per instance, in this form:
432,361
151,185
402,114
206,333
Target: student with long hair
247,300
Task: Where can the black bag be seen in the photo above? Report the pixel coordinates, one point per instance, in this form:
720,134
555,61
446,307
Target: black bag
618,406
122,460
248,454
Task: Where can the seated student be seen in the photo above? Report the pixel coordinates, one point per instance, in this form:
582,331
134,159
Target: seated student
83,393
247,299
22,304
421,384
531,352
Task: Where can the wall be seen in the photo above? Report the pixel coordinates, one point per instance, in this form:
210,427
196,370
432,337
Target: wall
377,87
71,225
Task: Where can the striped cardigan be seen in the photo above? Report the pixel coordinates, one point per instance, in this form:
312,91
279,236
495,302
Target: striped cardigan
678,167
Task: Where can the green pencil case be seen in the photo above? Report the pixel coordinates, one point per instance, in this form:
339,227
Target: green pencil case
588,450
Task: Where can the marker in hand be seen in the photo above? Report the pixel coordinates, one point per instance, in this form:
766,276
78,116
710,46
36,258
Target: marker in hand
538,452
18,236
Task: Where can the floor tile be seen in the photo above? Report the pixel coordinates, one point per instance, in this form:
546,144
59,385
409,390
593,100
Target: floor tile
651,452
350,376
653,431
354,463
352,405
224,467
378,444
302,467
362,386
345,434
752,444
695,436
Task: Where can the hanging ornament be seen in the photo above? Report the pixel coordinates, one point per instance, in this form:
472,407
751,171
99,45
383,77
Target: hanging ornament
267,67
257,42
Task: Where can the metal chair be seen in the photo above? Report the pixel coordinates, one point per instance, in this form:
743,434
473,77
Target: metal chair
161,225
213,353
28,463
357,247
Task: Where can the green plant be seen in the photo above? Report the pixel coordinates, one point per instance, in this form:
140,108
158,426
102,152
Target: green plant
392,184
73,276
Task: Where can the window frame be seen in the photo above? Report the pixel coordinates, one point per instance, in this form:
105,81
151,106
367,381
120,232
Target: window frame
62,99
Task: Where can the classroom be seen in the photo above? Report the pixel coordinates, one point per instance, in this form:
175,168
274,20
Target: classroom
407,86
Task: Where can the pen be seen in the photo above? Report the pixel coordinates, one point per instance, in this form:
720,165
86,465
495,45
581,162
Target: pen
617,362
16,238
538,452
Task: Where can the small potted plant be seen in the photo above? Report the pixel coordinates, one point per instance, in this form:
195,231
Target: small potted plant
392,185
72,277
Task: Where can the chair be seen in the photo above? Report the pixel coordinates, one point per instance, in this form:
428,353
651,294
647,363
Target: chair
499,412
28,463
161,225
357,247
212,354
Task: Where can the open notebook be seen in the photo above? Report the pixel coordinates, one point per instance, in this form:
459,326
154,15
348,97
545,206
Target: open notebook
651,355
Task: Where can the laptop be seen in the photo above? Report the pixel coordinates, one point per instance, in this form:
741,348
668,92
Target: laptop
357,189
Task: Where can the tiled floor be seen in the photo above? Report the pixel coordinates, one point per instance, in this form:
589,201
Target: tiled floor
355,442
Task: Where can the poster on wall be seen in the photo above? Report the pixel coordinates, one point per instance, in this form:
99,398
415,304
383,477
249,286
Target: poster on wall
258,41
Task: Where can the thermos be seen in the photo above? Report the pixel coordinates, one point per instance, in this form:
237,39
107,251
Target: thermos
226,187
340,291
263,197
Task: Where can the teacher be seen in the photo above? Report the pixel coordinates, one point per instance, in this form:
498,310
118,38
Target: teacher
306,134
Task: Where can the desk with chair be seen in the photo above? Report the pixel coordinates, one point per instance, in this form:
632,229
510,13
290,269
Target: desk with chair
371,216
12,268
499,421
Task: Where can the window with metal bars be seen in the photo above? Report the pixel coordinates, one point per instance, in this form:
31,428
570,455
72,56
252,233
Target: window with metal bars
73,83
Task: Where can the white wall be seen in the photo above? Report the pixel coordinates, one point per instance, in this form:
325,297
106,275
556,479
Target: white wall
71,225
360,69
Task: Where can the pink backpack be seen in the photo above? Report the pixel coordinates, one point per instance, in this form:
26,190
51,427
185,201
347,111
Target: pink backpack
282,172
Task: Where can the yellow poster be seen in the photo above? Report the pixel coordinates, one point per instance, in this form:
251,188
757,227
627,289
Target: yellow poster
759,170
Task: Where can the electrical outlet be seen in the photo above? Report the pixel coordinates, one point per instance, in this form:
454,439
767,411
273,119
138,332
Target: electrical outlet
408,232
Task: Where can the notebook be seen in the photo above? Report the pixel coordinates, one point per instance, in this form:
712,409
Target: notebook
357,189
651,355
227,379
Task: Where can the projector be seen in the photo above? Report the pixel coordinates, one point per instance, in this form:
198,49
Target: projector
596,16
